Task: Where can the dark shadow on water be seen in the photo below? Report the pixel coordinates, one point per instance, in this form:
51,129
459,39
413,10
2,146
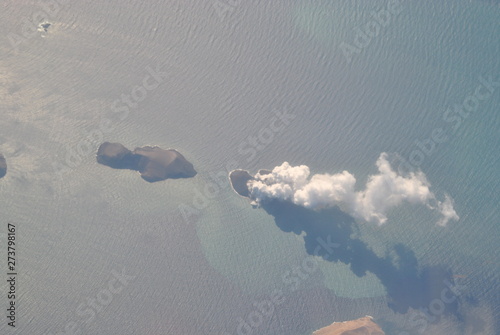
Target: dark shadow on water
329,234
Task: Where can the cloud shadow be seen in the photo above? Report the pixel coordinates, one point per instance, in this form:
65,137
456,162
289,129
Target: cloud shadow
329,234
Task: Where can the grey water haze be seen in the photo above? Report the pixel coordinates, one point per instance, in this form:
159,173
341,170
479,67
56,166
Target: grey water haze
249,85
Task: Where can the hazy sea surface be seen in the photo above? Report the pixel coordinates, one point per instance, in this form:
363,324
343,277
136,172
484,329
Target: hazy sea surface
225,76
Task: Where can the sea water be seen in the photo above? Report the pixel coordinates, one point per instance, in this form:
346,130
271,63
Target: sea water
228,69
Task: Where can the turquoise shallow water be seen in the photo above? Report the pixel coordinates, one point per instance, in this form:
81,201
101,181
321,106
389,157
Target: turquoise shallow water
227,77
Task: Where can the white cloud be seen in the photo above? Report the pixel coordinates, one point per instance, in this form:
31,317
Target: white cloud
383,191
446,209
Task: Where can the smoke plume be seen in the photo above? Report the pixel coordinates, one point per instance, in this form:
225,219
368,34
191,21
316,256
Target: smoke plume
383,191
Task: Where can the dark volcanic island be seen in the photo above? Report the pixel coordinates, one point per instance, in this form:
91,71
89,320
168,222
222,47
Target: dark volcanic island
153,163
3,166
239,181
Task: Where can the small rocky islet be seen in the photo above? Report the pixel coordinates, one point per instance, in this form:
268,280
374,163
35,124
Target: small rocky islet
361,326
153,163
239,180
